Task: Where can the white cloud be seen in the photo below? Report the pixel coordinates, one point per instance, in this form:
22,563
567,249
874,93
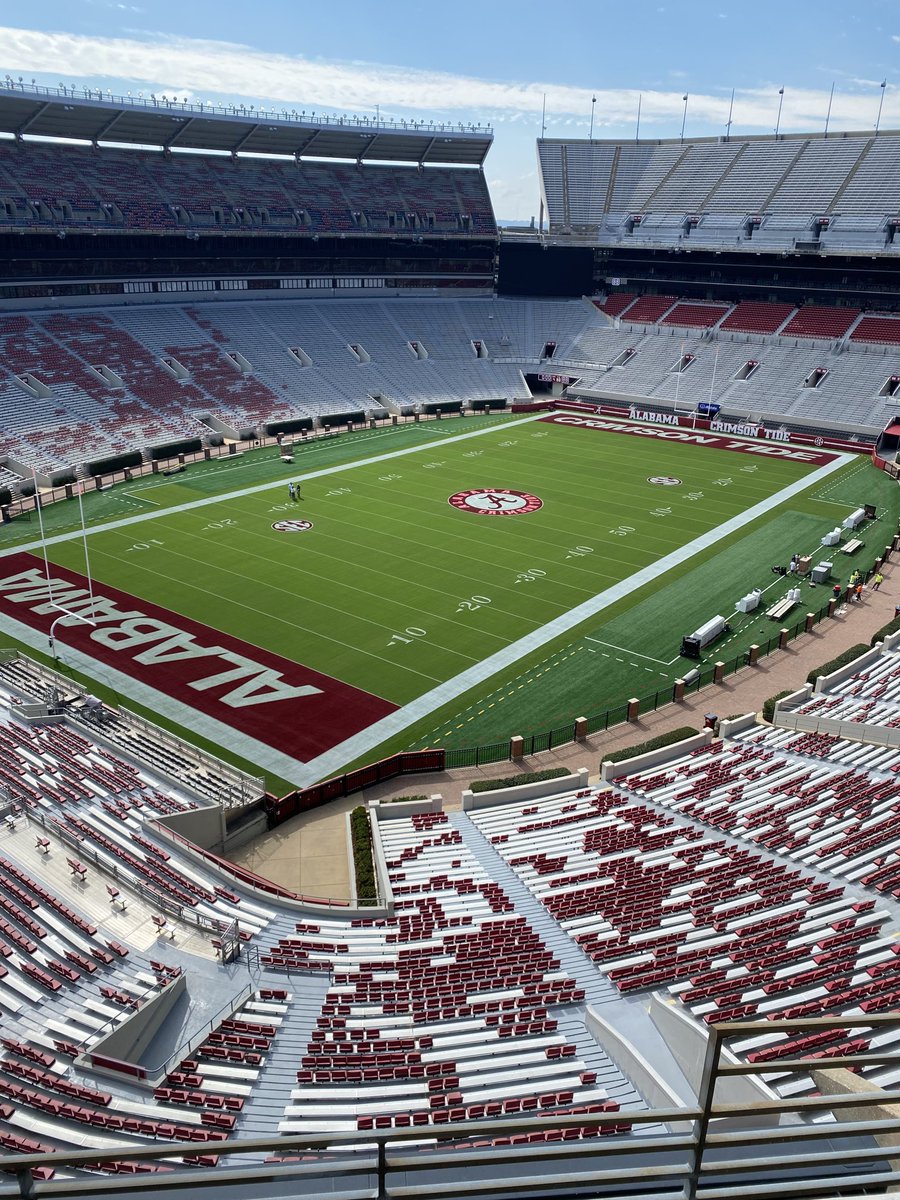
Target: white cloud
224,69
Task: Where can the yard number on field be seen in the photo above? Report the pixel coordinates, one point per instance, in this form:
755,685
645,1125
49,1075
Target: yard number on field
144,545
529,576
225,523
622,530
579,551
406,636
473,603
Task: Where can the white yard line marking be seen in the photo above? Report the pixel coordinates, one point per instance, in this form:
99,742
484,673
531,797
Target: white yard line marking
360,744
649,657
275,485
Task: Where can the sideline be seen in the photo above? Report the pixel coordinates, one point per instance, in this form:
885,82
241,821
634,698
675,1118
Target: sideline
359,745
138,518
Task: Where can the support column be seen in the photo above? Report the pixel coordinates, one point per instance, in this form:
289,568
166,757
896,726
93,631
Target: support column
783,639
718,672
580,729
678,693
809,622
516,746
753,655
634,709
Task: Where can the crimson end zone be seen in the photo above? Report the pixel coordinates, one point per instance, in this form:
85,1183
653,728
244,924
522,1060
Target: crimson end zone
292,708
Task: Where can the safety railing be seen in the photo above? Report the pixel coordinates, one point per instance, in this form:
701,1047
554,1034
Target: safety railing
845,1143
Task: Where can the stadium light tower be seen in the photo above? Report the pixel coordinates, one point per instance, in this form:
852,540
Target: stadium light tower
828,114
778,118
684,116
730,115
591,134
883,85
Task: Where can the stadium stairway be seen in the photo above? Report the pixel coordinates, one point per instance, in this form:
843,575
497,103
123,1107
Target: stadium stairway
629,1015
271,1094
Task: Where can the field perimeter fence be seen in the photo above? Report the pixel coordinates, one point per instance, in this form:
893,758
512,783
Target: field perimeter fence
413,762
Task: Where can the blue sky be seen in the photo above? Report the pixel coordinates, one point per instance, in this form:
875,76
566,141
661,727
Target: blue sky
489,62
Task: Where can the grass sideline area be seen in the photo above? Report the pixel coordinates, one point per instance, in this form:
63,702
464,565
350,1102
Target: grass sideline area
394,590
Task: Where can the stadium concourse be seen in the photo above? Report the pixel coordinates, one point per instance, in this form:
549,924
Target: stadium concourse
309,852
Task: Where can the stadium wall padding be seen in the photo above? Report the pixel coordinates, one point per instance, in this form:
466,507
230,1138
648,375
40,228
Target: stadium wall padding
173,449
116,462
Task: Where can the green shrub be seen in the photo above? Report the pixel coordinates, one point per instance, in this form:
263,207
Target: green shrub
27,489
406,799
363,864
880,634
493,785
836,663
768,709
654,743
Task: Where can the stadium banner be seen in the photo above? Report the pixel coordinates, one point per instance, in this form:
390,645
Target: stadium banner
714,425
284,704
805,454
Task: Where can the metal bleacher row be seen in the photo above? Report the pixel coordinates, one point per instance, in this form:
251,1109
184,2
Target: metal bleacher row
97,382
755,876
838,191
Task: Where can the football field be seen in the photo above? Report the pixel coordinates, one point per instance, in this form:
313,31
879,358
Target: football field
397,590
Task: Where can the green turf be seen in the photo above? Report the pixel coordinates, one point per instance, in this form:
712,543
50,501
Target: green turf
395,591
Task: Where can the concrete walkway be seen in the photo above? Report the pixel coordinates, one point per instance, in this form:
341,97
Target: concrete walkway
308,853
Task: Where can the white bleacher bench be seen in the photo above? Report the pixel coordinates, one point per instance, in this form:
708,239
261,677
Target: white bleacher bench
781,608
852,546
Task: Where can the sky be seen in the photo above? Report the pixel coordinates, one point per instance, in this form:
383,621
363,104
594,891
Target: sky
494,62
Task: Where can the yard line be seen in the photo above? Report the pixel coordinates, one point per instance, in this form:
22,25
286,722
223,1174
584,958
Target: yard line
388,727
265,487
633,653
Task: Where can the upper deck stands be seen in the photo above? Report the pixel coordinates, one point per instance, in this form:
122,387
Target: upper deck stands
70,186
748,193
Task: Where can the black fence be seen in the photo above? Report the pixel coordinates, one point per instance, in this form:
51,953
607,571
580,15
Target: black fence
424,761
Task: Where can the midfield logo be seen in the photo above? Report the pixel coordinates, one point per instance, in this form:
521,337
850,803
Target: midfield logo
501,502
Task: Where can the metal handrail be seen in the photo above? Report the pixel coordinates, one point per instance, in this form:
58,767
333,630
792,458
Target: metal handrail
672,1164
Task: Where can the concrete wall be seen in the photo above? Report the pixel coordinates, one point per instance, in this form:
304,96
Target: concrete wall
635,1067
687,1038
204,827
737,725
653,758
526,791
130,1039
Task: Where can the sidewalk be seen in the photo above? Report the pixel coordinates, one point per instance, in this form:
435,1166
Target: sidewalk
305,853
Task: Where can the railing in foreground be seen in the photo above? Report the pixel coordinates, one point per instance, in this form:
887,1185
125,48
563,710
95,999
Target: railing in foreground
754,1150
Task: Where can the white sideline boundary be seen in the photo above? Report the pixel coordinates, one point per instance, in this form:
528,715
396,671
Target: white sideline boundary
303,774
276,485
355,747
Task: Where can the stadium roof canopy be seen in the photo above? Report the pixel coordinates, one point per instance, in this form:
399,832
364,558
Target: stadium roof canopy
88,115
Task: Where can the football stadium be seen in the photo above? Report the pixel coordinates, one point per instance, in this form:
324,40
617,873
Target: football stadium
326,498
